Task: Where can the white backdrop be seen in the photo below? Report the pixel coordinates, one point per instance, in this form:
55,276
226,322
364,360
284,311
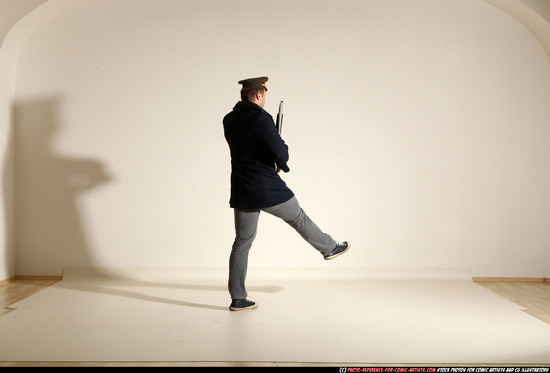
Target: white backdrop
418,130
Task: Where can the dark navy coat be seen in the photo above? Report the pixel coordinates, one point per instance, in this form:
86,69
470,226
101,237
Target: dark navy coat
255,147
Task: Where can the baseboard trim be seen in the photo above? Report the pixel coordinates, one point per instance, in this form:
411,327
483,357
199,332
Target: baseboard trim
43,278
475,279
7,280
36,278
511,279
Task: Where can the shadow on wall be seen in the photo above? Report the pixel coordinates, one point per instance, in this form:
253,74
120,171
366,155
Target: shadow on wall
49,228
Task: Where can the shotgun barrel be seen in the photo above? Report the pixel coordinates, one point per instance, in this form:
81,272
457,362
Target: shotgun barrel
279,123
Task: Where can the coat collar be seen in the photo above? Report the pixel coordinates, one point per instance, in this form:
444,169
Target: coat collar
247,105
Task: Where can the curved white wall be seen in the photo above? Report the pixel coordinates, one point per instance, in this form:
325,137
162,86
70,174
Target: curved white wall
542,7
419,131
533,14
11,11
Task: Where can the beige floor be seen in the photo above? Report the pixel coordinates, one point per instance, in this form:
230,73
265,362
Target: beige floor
302,320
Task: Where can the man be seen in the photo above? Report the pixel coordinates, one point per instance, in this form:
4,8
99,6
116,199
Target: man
258,154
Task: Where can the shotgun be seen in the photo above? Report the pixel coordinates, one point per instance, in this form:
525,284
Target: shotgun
279,122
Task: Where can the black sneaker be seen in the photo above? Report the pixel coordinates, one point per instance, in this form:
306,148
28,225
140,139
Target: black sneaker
242,304
338,250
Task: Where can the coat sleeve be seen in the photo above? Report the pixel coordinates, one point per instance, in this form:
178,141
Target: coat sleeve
270,139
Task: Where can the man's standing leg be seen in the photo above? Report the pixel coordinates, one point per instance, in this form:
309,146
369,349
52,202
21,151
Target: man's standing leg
246,223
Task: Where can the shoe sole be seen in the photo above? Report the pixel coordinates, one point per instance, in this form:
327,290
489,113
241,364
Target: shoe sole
253,307
337,255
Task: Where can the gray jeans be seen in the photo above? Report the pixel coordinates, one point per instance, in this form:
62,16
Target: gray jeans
246,223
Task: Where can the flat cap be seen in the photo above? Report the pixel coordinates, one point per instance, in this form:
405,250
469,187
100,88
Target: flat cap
254,82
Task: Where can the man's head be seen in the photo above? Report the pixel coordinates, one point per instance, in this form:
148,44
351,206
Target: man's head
254,90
